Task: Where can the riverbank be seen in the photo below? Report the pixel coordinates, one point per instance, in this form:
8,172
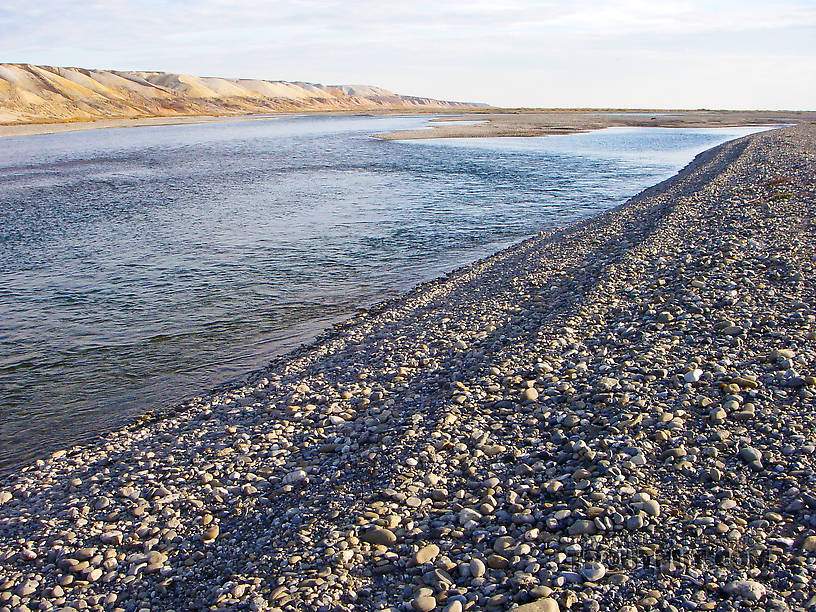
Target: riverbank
31,129
459,123
615,413
529,123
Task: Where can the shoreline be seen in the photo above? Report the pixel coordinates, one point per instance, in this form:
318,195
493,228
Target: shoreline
492,122
522,123
371,429
242,378
37,440
35,129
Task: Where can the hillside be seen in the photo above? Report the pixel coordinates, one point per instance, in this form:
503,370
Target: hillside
42,94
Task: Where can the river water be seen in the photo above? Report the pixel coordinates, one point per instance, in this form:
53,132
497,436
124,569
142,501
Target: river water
142,265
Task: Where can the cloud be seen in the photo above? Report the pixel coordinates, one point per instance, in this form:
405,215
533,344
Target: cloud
437,48
369,18
626,17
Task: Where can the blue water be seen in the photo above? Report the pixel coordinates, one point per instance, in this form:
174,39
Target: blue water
139,266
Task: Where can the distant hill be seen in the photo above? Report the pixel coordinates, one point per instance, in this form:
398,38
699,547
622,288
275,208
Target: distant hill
44,94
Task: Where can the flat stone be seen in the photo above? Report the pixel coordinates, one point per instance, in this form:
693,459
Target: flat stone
780,354
747,590
583,527
477,568
454,606
607,383
634,522
426,554
467,514
210,534
424,603
379,536
693,376
295,477
651,507
111,537
545,604
83,554
749,454
593,571
529,395
26,588
504,545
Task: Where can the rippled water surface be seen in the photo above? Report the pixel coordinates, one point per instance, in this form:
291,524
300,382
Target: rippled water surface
139,266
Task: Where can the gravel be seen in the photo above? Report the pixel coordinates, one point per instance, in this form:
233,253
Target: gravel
616,415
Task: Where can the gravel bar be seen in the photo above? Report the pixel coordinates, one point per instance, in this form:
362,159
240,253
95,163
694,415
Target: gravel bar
615,415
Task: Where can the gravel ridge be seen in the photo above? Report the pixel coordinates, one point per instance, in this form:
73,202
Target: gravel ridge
615,415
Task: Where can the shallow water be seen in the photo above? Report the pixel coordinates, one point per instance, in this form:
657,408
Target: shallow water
139,266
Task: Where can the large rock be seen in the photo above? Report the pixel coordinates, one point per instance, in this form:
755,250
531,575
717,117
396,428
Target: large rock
747,590
593,571
583,527
379,536
210,534
426,554
749,454
651,507
424,603
529,395
545,604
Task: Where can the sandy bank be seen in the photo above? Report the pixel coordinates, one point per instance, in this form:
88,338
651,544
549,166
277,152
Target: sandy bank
76,126
454,124
55,128
546,123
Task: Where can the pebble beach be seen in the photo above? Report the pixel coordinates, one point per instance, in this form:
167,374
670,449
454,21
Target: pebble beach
615,415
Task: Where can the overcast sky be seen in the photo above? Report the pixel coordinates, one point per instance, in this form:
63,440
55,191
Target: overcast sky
613,53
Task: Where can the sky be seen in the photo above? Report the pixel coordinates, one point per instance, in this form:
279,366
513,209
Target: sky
515,53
